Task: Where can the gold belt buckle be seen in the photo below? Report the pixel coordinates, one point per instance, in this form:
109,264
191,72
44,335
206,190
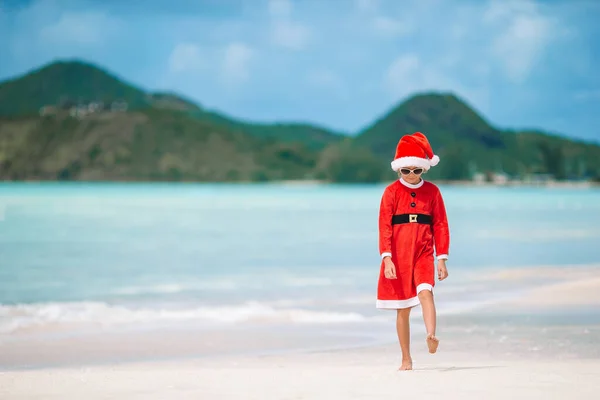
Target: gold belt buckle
412,218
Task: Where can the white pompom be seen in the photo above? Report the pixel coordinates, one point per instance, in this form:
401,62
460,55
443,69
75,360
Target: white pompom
434,160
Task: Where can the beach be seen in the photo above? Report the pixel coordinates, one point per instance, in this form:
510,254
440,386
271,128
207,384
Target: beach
356,374
133,292
518,358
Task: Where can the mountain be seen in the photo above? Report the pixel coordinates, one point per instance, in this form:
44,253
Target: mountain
143,145
64,84
311,135
52,127
60,82
540,152
436,114
173,101
467,143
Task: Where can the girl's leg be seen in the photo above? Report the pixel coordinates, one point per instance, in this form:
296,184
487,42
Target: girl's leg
429,316
403,329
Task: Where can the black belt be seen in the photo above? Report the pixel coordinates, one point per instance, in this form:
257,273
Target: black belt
411,218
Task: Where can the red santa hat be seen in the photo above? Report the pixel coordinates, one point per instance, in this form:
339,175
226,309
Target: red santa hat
414,151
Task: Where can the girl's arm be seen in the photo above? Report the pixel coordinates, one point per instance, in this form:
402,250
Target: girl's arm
386,211
441,232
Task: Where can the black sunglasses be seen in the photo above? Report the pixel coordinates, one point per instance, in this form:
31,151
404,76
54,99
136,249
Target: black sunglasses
416,171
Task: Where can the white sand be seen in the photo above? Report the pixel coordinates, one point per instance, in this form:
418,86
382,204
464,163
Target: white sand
357,374
557,288
584,292
539,273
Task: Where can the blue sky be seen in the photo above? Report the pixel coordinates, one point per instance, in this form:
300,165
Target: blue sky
338,63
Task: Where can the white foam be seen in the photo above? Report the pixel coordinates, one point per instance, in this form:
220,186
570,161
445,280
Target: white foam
171,288
236,283
17,317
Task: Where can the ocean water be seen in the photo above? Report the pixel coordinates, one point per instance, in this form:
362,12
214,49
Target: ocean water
77,257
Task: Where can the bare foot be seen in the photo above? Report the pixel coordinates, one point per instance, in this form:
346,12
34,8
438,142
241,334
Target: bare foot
432,343
406,365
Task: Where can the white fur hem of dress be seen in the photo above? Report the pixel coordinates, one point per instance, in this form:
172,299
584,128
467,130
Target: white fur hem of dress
397,304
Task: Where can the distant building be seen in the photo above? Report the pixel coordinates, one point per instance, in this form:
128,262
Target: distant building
95,106
48,110
540,178
479,178
83,108
499,178
118,106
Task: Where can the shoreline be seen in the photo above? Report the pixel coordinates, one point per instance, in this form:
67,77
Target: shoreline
558,311
313,182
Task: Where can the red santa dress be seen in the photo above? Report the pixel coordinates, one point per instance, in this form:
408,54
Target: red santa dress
412,227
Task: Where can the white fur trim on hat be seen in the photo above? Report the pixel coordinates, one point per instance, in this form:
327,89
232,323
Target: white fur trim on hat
434,160
411,162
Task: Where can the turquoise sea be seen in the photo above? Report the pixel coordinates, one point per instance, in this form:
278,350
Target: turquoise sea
81,257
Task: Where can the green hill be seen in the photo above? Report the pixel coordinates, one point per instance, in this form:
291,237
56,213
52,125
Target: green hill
467,144
173,101
65,84
164,136
143,145
312,136
439,115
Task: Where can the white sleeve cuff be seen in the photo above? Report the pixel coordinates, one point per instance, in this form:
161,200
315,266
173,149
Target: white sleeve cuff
384,255
442,257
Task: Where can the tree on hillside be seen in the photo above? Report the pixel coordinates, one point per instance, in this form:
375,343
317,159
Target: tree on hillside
456,164
345,163
553,160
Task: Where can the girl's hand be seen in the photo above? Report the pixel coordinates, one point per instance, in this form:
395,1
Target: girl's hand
389,268
442,270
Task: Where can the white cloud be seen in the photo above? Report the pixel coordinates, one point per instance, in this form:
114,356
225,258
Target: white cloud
280,8
408,74
186,57
403,74
326,79
367,5
236,63
458,31
500,10
391,27
87,28
524,34
323,77
290,35
521,45
284,31
372,18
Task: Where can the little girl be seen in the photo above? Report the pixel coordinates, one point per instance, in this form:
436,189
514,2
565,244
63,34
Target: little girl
412,220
